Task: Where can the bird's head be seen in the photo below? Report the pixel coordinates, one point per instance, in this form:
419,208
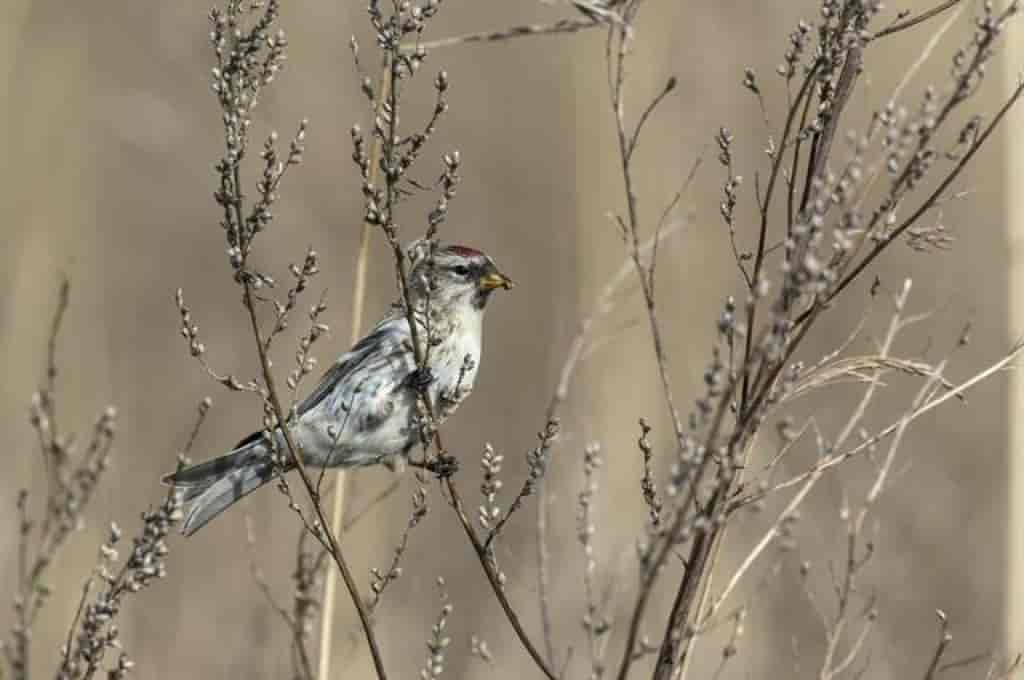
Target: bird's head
454,275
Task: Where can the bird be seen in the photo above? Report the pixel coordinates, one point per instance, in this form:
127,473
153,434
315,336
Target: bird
365,409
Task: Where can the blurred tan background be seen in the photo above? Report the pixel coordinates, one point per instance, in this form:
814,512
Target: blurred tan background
109,135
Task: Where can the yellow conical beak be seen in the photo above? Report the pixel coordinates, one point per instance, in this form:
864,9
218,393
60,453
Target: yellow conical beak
495,279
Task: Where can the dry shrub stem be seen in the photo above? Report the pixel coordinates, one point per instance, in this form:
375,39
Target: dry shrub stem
482,553
768,350
73,477
325,534
356,324
248,59
393,32
73,473
526,30
918,19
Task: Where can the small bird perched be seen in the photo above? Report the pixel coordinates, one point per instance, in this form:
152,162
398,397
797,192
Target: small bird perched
365,408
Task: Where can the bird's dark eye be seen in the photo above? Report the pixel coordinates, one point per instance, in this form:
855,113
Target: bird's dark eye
461,269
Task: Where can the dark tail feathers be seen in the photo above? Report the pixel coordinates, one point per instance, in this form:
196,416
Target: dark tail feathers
213,486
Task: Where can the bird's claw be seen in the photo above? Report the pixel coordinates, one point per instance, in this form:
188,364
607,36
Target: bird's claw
444,466
421,378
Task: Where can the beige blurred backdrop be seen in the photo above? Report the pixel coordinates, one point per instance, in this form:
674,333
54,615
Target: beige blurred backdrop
109,135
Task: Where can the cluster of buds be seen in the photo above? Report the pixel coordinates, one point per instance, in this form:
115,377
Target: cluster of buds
437,644
490,510
248,59
798,40
97,629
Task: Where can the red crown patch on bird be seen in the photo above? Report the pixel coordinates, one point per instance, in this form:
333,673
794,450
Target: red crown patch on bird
465,251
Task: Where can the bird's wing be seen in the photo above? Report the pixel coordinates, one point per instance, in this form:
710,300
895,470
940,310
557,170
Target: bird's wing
390,332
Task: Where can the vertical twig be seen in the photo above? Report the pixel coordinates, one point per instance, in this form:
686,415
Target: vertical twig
295,455
543,572
358,303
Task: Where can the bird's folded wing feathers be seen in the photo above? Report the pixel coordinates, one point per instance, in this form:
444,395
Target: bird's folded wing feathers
388,333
